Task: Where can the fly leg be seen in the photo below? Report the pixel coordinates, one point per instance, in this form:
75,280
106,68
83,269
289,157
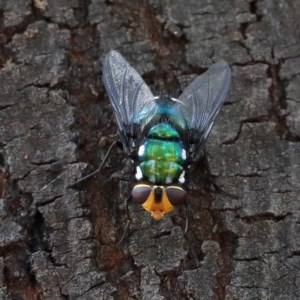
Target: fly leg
97,170
189,214
192,241
211,180
221,191
124,235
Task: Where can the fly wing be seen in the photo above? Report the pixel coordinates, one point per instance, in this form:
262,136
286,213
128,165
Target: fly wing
130,96
201,101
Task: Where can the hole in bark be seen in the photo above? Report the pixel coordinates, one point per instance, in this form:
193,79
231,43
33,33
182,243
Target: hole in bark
37,233
263,217
253,10
161,234
2,160
243,28
278,99
252,7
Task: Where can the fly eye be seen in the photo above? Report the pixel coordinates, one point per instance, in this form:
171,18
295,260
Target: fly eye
176,195
140,193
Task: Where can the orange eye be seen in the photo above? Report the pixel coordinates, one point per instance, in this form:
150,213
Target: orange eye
140,193
176,194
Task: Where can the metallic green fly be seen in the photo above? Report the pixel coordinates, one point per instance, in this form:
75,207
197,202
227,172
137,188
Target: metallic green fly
162,135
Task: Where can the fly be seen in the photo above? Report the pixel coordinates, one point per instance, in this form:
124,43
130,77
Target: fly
163,135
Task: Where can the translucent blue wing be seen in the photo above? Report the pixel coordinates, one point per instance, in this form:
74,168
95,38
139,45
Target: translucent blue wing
131,98
201,101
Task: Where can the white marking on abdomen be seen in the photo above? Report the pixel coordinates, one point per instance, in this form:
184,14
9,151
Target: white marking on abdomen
138,174
183,154
181,177
169,178
141,150
152,176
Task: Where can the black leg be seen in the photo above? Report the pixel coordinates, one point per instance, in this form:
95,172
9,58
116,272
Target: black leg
97,170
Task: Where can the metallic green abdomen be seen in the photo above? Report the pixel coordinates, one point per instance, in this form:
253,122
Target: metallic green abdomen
163,131
161,156
161,150
161,172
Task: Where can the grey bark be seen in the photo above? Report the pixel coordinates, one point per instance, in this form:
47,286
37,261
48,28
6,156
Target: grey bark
243,237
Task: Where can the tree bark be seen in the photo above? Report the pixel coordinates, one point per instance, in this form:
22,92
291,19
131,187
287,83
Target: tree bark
238,238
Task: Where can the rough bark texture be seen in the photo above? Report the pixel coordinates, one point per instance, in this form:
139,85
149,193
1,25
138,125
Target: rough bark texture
243,238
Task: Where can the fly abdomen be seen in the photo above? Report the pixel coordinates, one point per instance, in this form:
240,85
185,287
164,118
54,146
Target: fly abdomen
161,172
161,156
162,150
163,131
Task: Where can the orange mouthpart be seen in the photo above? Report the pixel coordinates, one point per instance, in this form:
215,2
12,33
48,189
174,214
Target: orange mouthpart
157,208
